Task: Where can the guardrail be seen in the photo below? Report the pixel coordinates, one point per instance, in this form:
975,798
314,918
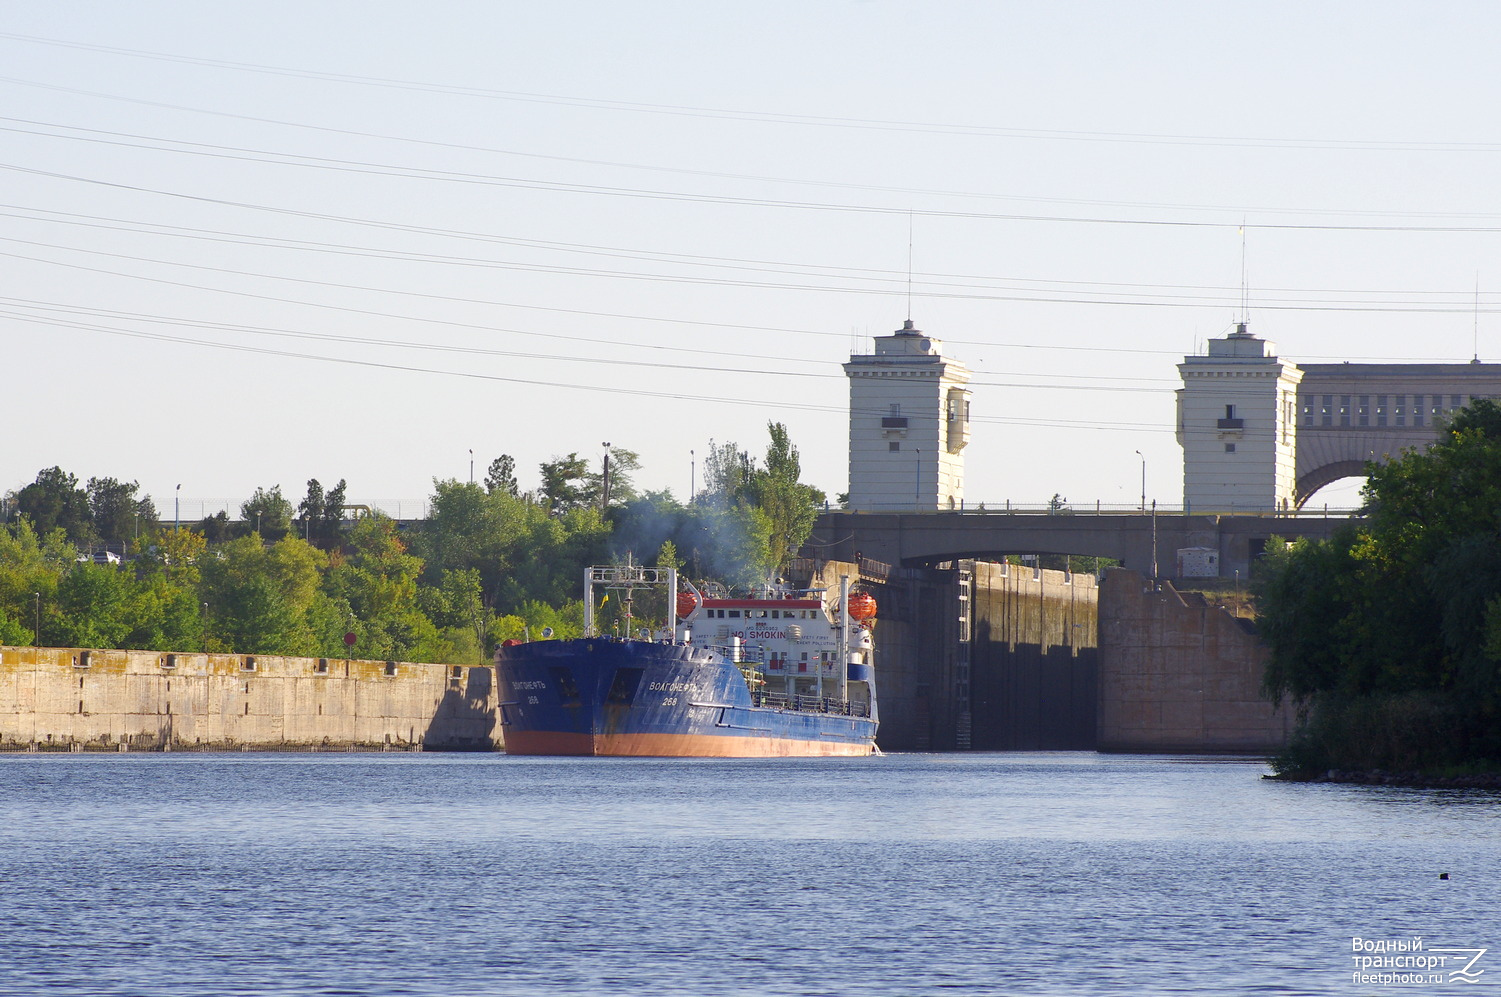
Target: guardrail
810,704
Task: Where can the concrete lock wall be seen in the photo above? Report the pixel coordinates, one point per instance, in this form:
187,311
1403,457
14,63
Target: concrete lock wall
73,698
1034,658
1177,674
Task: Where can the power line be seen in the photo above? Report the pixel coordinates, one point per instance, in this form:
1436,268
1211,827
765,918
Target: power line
528,183
720,398
831,121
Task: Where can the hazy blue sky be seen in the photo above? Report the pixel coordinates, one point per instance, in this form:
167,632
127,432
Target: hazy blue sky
250,244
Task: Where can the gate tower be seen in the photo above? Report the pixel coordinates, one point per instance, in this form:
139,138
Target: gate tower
909,424
1237,424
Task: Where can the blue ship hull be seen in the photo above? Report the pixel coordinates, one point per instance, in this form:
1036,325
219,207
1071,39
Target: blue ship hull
598,696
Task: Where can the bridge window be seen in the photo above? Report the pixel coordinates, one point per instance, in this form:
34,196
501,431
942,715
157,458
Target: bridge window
1399,410
1344,410
1308,413
1417,410
1327,419
1381,410
1365,410
1455,401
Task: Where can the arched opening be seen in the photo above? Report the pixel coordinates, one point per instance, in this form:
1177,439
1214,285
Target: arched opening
1337,485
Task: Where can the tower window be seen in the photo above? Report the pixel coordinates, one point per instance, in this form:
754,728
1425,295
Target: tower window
893,446
1229,448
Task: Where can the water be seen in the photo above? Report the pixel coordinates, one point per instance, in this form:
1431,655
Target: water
1055,873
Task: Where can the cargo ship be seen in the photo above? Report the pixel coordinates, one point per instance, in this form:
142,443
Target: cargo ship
781,672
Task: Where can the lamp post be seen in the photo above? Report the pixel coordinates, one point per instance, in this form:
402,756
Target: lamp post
692,477
177,509
36,639
1143,480
471,465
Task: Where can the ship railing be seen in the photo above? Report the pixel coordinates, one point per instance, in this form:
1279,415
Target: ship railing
748,654
810,704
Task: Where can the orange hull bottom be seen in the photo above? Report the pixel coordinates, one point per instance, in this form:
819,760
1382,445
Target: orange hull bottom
673,745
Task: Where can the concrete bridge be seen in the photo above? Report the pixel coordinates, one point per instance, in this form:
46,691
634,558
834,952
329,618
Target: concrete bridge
1144,542
1260,432
1351,413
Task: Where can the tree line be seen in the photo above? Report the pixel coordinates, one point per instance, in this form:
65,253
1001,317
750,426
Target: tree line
1387,636
490,562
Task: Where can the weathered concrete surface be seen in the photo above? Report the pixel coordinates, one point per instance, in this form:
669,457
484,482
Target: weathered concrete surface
1034,658
1177,675
61,698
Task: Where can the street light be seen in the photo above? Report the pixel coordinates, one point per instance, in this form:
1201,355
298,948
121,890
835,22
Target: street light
177,509
692,477
36,639
471,465
1143,480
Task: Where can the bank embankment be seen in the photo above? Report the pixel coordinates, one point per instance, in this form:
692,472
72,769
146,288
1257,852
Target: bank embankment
62,699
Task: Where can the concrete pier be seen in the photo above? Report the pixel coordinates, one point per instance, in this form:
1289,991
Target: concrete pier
71,699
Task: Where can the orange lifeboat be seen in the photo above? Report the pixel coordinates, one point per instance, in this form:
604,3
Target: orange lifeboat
862,606
687,603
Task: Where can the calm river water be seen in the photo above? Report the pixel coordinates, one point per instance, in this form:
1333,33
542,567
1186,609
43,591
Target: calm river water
1064,873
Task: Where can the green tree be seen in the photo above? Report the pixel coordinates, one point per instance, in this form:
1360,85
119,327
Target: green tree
1404,604
331,528
118,514
216,528
456,607
93,607
31,567
565,483
322,515
502,476
378,581
54,501
789,506
623,464
310,509
727,468
469,528
267,513
258,597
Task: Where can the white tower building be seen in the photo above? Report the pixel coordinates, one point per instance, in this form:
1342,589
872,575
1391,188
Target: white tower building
1237,424
909,424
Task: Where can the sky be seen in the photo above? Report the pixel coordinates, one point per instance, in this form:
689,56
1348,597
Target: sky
246,245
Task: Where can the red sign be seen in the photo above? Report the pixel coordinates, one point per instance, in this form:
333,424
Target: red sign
349,639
